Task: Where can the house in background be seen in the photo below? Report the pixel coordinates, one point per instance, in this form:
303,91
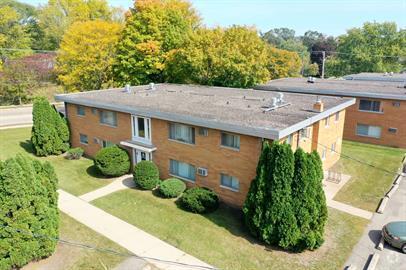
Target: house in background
206,136
379,114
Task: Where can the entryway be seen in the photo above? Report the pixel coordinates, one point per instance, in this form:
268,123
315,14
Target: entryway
139,156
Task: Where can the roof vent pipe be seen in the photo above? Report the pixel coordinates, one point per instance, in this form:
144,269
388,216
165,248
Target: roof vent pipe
311,79
280,98
127,88
151,86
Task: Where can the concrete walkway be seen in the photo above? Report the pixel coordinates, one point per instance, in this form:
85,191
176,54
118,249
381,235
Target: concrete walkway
349,209
123,182
153,250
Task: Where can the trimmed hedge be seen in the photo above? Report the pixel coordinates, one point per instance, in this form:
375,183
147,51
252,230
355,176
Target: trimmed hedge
28,206
199,200
172,188
146,175
74,153
112,161
50,132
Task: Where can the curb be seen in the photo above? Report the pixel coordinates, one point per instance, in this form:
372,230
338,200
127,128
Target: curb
392,190
373,262
382,205
381,244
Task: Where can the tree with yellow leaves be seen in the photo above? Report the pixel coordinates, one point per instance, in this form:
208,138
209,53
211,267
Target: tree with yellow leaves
86,54
283,63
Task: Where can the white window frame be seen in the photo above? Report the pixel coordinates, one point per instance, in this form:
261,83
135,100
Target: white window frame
135,130
369,136
227,146
327,121
108,124
233,178
173,137
304,133
372,101
289,139
337,117
179,176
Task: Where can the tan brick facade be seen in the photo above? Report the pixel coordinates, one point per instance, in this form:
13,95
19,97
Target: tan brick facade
207,151
392,116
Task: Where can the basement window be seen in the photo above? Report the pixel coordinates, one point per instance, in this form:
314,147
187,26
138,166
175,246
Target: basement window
392,130
396,104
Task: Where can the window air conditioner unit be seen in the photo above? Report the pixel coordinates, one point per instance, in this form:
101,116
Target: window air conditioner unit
202,171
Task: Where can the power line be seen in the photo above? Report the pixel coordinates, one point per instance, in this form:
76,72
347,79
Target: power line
374,55
104,250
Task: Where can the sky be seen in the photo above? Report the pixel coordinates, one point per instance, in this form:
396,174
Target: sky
332,17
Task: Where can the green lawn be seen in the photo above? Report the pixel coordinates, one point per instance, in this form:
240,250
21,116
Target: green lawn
367,185
75,258
221,240
75,176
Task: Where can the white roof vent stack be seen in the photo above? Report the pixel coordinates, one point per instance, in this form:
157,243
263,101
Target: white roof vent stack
311,79
280,98
127,88
151,86
391,73
274,102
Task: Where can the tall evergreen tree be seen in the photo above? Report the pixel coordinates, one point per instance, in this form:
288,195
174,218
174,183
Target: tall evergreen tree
50,132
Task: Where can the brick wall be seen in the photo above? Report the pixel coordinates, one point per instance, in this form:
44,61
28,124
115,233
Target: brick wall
391,117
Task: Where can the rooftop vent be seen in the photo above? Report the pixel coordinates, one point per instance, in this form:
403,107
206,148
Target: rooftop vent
151,86
277,102
127,88
391,73
311,79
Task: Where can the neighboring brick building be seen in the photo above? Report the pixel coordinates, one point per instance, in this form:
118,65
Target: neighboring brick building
207,136
379,114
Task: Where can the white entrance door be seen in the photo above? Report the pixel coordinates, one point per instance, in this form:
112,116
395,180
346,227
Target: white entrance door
139,155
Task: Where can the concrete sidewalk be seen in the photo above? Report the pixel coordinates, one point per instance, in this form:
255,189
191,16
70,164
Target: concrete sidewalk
123,182
152,249
349,209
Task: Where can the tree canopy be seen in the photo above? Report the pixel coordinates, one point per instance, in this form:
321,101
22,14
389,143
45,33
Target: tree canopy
86,55
154,28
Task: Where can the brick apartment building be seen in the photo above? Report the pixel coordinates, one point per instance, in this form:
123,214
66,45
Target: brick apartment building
379,114
207,136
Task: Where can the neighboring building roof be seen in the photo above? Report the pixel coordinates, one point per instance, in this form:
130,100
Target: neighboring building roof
339,87
230,109
369,76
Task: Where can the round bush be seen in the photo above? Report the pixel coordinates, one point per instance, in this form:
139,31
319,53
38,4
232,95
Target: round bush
172,188
199,200
74,153
146,175
112,161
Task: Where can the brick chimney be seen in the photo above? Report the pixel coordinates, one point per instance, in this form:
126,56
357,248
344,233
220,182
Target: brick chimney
319,105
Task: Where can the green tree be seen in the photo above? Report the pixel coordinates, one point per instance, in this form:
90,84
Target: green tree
272,219
12,34
310,208
311,70
17,83
234,57
86,54
282,63
154,28
28,206
58,15
375,47
50,132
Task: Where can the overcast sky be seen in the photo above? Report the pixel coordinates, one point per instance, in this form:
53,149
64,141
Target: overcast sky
332,17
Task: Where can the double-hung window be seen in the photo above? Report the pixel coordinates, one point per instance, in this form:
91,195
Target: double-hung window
107,144
230,140
229,181
182,133
337,116
141,128
80,110
108,118
83,139
182,170
369,131
327,121
369,105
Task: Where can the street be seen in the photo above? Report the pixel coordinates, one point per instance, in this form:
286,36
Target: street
18,116
390,258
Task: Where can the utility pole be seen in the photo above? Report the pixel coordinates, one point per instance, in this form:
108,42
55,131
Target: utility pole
322,65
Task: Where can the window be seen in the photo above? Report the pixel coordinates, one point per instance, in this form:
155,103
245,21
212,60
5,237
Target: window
94,110
324,153
369,105
182,133
108,118
141,128
83,139
107,144
305,133
230,140
327,121
229,182
182,170
396,104
369,131
203,131
80,110
333,148
392,130
289,139
337,116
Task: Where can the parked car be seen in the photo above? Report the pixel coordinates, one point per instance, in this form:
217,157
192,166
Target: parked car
394,234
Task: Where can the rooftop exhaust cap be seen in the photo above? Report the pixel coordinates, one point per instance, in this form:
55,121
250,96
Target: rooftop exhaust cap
151,86
311,79
127,88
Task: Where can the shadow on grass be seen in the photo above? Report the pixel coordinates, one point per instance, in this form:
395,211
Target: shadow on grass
94,172
27,146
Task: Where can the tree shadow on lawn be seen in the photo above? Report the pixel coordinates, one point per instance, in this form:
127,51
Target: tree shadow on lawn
93,171
27,146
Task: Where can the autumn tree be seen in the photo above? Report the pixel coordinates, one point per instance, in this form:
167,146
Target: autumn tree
153,30
58,15
283,63
375,47
86,54
234,57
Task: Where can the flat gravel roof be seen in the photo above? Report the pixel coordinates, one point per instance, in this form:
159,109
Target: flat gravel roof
237,110
339,87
